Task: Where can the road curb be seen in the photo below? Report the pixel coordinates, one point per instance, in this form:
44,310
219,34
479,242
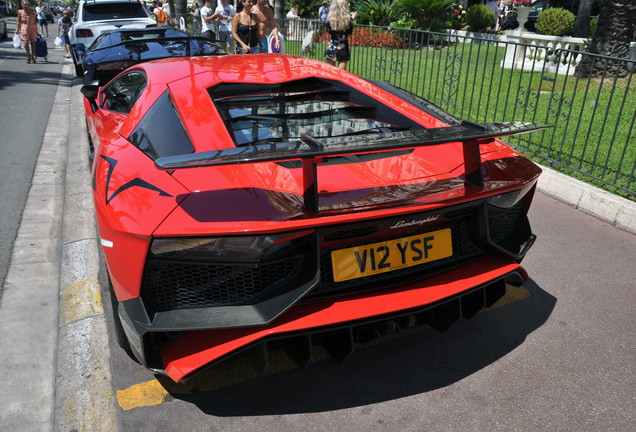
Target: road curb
617,211
84,396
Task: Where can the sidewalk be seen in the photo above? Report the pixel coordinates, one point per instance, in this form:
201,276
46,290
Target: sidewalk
53,330
55,345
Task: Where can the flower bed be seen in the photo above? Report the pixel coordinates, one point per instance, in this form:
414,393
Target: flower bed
368,37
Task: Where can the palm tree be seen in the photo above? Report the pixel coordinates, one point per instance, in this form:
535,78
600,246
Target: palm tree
426,12
615,30
582,23
180,9
379,12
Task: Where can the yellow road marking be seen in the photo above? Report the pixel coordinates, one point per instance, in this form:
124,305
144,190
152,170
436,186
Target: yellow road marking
145,394
81,299
156,392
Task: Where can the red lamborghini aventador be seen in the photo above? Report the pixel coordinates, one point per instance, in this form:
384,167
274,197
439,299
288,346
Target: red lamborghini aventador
251,202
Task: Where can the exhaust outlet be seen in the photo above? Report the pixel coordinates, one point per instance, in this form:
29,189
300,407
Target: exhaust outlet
407,322
385,329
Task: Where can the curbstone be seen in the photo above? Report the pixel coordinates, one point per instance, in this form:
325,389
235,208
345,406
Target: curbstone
84,395
617,211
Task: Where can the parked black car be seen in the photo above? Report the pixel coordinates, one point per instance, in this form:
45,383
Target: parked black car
114,51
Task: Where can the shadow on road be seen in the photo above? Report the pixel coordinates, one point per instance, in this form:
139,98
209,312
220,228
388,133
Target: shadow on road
418,363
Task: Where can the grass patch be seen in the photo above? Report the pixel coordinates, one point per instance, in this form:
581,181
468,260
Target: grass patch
594,134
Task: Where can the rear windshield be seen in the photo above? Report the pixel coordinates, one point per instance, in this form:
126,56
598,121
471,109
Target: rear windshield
258,114
110,11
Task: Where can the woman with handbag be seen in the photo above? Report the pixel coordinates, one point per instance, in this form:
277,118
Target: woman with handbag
28,30
245,29
339,27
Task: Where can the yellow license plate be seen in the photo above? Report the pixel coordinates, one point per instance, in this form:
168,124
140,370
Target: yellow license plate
382,257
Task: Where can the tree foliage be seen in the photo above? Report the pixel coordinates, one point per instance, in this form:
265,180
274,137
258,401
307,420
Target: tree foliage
429,14
555,22
479,17
379,12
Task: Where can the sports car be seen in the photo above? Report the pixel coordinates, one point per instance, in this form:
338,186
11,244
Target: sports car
258,202
116,50
95,17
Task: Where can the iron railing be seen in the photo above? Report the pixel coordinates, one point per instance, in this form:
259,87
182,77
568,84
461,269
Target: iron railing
594,134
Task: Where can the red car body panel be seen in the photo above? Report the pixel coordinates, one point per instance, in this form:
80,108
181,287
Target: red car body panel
136,202
197,349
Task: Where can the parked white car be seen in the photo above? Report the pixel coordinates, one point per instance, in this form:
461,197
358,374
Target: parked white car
94,17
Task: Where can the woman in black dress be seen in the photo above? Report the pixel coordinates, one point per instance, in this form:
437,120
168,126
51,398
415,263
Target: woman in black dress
245,29
339,26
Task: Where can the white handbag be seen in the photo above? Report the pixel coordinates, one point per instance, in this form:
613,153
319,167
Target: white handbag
17,41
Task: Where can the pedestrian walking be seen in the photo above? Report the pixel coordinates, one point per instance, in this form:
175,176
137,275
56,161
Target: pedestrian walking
40,11
293,12
63,26
224,18
339,27
292,15
323,11
245,29
494,6
208,20
162,16
266,26
27,29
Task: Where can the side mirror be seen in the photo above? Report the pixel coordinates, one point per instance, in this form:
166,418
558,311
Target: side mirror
90,91
78,47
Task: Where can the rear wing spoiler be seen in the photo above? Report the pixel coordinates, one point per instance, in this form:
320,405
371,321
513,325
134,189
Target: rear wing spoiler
312,151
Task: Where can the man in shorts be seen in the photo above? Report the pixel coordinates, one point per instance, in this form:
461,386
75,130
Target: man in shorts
323,11
208,20
266,25
225,14
63,26
40,11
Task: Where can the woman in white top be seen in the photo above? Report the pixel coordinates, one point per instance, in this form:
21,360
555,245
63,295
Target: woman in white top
225,13
293,12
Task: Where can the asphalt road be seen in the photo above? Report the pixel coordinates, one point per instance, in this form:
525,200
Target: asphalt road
555,355
26,99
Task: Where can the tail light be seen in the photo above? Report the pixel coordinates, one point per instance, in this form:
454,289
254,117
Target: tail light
83,33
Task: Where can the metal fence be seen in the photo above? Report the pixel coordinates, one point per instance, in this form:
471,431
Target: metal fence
594,135
488,78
